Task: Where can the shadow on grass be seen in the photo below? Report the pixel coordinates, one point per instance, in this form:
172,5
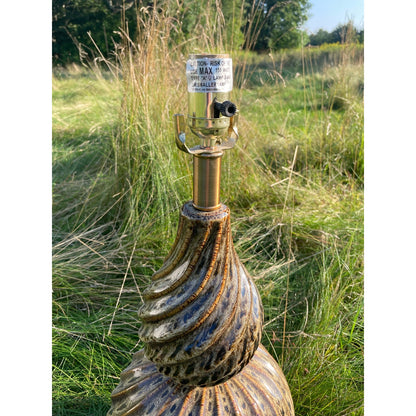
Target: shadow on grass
79,152
81,406
83,179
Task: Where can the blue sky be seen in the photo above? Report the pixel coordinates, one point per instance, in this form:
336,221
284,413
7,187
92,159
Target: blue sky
327,14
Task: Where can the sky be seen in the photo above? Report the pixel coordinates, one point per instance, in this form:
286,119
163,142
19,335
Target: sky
327,14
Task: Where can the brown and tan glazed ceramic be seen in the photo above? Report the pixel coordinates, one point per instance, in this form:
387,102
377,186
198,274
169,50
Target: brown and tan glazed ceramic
259,389
201,324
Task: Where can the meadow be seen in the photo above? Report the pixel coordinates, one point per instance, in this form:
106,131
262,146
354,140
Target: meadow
294,184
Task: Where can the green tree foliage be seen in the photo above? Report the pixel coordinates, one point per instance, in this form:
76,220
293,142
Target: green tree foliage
320,37
82,27
343,33
72,20
224,18
233,12
275,24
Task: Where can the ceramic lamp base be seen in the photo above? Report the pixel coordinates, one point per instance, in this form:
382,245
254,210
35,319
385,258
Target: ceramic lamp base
260,389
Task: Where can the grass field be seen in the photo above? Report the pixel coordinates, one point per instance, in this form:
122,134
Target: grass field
294,184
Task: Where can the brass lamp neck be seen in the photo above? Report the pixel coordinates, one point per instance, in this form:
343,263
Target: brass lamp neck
207,173
213,119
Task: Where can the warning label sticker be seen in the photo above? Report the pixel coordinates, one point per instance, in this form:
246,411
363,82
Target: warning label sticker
209,75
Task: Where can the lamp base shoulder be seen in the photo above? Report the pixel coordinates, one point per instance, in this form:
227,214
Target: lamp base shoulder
260,389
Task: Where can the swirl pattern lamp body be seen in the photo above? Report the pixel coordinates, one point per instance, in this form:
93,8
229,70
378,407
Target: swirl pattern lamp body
201,319
202,315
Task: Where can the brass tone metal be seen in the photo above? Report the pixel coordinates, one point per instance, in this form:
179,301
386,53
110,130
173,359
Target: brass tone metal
211,128
207,172
201,115
208,144
206,161
201,105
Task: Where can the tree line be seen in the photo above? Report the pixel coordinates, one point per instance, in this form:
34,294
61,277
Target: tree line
81,28
341,34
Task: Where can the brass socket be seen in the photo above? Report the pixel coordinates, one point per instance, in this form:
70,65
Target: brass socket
201,113
212,117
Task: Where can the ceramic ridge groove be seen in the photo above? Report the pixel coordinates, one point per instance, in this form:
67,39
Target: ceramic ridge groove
201,323
153,293
268,396
202,315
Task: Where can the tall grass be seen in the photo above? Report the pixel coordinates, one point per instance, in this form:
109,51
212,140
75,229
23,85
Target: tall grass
293,183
